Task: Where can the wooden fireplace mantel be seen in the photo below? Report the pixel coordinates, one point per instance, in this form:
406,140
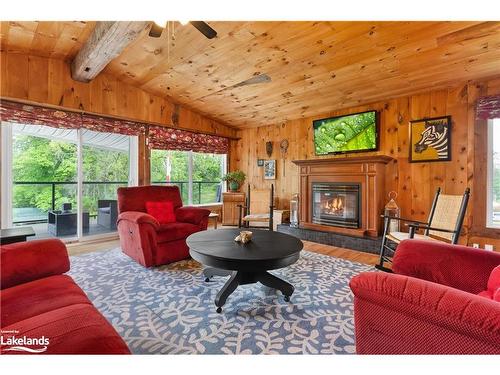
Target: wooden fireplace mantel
347,160
367,171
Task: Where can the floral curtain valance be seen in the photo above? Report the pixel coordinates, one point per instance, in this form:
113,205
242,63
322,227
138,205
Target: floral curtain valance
488,107
163,138
159,137
38,115
111,125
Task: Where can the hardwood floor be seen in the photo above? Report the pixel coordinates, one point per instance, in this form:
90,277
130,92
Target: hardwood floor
352,255
339,252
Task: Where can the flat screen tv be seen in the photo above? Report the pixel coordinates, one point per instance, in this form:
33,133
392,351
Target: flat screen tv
342,134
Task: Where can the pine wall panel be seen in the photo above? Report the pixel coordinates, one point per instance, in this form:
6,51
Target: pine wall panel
48,81
415,183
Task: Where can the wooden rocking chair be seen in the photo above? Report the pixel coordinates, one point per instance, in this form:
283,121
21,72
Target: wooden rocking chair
444,224
259,207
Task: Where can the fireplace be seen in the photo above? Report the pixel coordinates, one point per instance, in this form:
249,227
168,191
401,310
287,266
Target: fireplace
336,204
343,195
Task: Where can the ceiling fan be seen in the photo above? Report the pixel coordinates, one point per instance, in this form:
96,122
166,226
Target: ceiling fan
202,27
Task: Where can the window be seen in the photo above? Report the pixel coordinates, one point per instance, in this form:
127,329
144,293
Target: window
198,175
63,182
493,175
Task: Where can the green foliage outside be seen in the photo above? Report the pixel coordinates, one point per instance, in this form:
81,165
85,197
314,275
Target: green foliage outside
206,168
348,133
42,160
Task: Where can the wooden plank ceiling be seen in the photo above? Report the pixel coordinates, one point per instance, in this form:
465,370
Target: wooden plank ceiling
315,67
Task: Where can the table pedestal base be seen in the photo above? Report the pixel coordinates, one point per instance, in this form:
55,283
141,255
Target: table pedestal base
242,278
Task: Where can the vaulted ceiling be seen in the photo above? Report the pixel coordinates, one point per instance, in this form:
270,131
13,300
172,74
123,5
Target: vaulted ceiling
314,67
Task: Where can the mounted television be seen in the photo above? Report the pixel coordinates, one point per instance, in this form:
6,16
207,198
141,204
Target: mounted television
342,134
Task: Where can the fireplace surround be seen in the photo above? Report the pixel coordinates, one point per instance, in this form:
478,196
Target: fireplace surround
343,195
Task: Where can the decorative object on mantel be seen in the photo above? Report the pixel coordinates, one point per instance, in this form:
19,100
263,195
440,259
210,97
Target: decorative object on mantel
284,150
260,162
235,179
488,107
244,237
391,209
269,148
270,170
430,139
294,210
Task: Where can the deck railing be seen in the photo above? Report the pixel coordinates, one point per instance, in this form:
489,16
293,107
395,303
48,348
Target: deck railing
203,192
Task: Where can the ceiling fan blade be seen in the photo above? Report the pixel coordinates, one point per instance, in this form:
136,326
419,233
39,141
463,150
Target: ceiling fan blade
155,31
204,29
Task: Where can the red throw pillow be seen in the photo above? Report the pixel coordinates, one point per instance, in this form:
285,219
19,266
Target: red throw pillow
493,291
161,211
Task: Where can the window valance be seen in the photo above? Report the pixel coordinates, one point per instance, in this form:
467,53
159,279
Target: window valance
163,138
37,115
158,137
488,107
56,118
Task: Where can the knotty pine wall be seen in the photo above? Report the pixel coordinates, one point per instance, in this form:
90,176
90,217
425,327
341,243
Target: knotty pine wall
48,81
415,183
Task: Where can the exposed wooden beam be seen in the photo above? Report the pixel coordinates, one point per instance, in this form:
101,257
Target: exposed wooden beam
106,42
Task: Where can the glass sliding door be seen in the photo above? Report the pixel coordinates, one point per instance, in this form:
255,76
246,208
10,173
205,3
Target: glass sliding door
63,182
105,167
44,180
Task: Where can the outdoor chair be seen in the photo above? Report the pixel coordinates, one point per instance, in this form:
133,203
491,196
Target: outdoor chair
107,213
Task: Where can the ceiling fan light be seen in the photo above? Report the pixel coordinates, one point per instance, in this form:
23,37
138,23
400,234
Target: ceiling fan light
160,23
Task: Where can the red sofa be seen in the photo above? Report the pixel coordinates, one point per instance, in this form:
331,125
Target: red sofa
430,304
144,239
38,301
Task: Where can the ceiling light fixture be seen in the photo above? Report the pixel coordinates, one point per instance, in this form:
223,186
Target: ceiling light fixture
161,23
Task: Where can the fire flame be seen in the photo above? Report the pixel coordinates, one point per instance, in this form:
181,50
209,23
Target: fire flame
334,205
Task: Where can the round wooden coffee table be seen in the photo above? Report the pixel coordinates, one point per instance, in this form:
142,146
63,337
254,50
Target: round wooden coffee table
245,263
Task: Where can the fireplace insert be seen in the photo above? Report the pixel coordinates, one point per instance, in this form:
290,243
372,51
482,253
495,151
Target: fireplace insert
336,204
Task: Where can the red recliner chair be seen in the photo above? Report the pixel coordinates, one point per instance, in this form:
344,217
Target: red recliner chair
430,304
147,241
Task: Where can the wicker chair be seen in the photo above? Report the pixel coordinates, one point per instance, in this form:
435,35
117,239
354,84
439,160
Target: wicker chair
444,224
259,207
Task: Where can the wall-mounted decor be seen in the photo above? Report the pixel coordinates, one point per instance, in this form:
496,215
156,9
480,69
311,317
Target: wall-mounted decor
269,148
284,150
260,162
430,139
269,169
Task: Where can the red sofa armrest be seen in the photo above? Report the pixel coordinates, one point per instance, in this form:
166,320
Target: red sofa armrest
192,215
456,266
401,314
22,262
139,218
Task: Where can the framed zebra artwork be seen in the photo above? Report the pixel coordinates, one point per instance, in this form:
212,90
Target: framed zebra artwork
430,139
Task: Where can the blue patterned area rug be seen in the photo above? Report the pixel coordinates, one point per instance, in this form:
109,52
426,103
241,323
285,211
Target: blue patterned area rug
170,309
